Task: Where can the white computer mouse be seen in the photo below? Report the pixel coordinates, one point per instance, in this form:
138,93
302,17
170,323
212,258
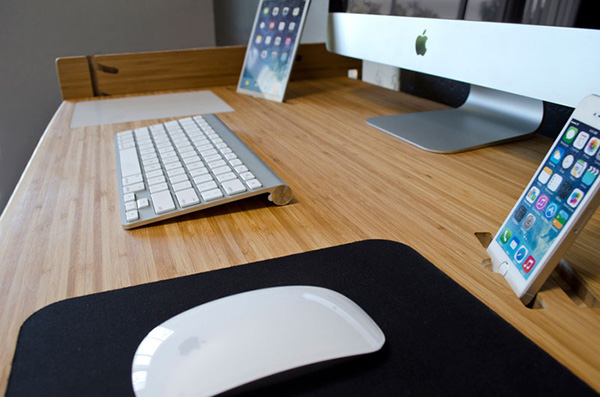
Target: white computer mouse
229,342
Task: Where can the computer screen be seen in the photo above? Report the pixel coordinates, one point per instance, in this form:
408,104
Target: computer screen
512,68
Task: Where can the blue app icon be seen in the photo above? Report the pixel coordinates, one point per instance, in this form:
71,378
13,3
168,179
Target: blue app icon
590,176
557,155
521,254
551,210
514,243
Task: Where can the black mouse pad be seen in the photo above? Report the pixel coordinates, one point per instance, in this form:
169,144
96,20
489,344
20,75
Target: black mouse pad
440,340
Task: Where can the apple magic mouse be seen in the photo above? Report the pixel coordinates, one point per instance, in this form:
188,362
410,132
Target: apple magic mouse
232,341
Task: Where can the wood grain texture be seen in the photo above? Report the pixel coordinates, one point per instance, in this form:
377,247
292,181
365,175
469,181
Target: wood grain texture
74,77
133,73
60,235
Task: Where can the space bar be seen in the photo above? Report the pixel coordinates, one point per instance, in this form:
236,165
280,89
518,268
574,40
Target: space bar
130,164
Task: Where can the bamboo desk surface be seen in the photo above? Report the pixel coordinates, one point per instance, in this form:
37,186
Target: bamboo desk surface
61,237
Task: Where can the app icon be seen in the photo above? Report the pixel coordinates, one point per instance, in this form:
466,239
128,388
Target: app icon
570,134
592,147
292,26
296,11
268,40
262,24
277,40
581,140
275,11
551,210
285,11
284,57
533,194
266,11
520,213
288,40
568,161
528,264
590,176
575,198
264,54
560,219
579,168
281,26
258,39
557,155
514,243
247,83
545,175
541,203
505,236
271,25
554,182
564,190
521,254
274,55
529,221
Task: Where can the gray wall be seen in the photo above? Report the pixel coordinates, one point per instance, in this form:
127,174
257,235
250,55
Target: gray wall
33,33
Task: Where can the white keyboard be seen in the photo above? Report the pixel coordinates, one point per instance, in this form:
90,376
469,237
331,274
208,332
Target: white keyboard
186,165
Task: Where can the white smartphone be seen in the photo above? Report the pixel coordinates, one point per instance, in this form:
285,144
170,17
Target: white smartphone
272,48
560,198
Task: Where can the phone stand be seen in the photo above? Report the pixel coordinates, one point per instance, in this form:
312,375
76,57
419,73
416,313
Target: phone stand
563,286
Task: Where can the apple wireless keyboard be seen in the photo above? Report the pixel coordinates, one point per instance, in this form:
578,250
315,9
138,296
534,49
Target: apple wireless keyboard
187,165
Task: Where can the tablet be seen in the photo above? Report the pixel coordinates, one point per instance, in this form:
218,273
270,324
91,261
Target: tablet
272,48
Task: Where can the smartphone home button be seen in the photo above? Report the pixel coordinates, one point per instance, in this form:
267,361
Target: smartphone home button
503,268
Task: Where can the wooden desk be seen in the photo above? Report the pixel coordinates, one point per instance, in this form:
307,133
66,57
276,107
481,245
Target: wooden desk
61,237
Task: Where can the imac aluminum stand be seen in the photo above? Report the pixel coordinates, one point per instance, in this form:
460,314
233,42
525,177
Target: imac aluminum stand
486,118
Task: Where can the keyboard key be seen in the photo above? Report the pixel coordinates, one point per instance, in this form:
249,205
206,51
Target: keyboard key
178,178
221,170
129,197
211,194
253,184
247,176
129,180
226,176
172,165
132,216
198,171
233,186
130,164
159,187
156,180
162,202
143,203
136,187
175,172
216,164
203,187
203,178
187,197
181,186
155,173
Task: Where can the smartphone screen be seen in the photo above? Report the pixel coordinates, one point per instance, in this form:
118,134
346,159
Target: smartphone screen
552,197
272,47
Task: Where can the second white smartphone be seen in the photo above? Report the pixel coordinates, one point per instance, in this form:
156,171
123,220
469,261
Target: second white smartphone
554,207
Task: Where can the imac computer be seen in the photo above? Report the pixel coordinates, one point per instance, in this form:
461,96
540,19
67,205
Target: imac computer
511,68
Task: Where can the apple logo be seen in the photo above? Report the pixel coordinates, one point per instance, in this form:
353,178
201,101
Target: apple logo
420,44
